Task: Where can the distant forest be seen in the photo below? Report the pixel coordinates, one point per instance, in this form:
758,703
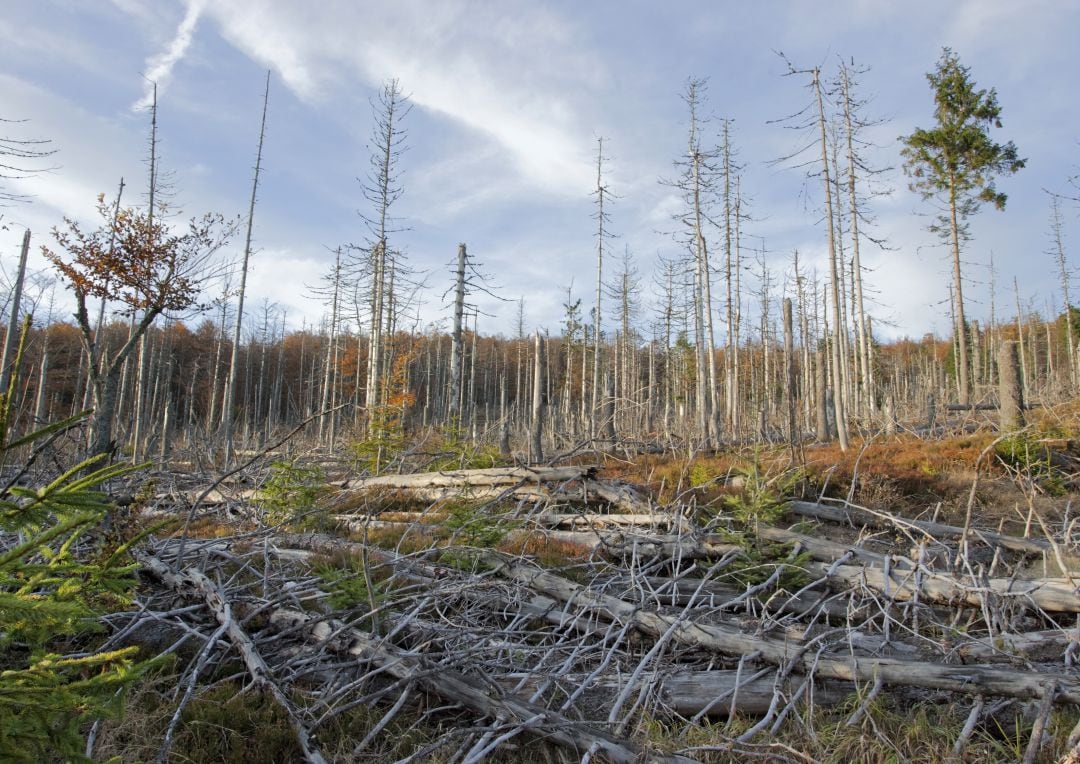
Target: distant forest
713,356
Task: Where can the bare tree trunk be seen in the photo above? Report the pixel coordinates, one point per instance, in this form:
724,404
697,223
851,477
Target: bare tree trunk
1020,338
834,284
962,359
230,380
537,443
454,401
1010,391
43,376
325,421
1073,376
601,235
12,337
789,378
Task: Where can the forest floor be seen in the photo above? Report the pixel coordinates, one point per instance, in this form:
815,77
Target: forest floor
909,599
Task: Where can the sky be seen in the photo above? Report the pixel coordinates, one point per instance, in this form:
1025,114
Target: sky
509,99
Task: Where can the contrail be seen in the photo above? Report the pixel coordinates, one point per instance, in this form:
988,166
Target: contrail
159,67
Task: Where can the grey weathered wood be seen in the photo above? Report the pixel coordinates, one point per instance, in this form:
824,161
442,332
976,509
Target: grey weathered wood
197,582
494,476
937,531
1010,389
459,688
537,433
724,639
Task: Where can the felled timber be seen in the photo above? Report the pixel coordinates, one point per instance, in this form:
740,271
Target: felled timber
783,652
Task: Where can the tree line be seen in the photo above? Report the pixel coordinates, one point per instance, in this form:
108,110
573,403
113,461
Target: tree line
732,348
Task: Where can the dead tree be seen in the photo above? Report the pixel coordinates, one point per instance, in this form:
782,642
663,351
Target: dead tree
227,413
1010,391
537,440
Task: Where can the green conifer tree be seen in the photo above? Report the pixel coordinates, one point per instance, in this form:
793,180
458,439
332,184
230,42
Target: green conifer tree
955,163
55,582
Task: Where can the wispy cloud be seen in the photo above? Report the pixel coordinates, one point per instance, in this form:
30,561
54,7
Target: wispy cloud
530,93
159,67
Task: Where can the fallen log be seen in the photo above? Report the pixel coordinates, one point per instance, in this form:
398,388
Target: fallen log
459,688
1053,595
504,476
906,580
711,693
934,531
554,520
195,581
575,485
619,544
826,550
1034,645
783,652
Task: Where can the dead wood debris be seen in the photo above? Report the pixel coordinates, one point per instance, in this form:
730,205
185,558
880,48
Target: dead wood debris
663,621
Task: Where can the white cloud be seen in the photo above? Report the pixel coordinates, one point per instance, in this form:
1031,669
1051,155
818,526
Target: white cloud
160,67
522,84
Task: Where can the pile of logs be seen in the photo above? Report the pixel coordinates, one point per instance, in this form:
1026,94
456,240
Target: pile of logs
664,621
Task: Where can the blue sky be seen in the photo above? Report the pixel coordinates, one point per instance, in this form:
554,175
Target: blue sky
509,98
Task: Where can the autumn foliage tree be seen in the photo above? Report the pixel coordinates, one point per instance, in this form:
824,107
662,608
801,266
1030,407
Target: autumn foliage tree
138,260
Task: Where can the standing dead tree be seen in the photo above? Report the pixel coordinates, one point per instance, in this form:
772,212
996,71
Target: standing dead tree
227,413
697,183
381,190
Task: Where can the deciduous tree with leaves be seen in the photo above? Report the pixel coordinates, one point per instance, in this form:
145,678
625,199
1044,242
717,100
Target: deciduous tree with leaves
955,164
141,262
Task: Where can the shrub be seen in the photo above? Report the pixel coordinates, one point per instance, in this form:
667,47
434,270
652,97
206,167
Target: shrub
291,491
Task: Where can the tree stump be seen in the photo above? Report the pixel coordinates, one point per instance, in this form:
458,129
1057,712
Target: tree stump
1010,392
